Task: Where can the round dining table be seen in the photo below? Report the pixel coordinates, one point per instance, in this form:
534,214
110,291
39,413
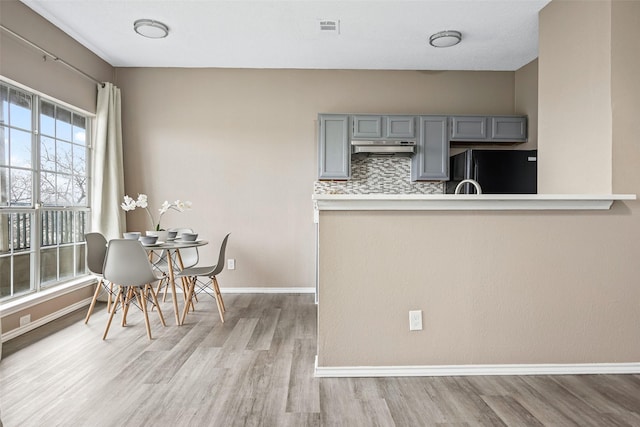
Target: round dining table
174,260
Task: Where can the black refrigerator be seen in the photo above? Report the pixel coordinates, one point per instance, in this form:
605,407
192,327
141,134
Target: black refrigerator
497,171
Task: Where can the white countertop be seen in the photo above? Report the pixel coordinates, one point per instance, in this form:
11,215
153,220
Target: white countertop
494,202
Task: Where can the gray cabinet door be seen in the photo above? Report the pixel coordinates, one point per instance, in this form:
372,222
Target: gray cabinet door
431,161
334,157
367,127
468,128
400,126
509,129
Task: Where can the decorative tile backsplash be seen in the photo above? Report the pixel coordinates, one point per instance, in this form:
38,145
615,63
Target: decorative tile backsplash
379,174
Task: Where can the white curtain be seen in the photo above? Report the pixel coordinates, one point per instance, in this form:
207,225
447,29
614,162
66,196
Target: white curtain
108,173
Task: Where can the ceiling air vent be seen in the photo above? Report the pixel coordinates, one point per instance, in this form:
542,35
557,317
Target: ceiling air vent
329,26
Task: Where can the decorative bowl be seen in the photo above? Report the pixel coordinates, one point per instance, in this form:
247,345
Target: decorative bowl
149,240
162,235
189,237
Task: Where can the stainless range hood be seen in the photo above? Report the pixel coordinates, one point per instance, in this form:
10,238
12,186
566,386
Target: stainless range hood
389,147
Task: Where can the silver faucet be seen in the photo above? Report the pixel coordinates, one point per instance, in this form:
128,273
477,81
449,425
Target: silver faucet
470,181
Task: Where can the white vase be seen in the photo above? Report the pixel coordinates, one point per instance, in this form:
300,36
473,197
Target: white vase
162,235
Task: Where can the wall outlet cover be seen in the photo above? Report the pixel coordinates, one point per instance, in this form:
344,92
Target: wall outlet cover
25,320
415,320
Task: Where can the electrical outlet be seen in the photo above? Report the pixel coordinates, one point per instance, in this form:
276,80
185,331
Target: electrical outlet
231,264
415,320
25,320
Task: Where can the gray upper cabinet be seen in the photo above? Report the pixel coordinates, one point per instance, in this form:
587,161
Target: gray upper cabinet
375,127
512,129
431,161
468,128
488,128
400,126
431,133
367,127
334,156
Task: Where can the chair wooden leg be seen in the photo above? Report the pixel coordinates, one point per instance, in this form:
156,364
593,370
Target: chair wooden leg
194,295
220,310
127,302
93,301
113,311
185,285
159,287
218,294
138,297
109,300
155,302
192,284
163,286
218,298
165,291
144,310
122,299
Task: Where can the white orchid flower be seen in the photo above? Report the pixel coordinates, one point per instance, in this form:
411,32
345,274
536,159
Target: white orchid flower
179,205
142,201
165,207
129,204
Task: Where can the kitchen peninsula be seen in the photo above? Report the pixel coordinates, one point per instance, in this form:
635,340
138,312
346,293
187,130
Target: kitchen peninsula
497,278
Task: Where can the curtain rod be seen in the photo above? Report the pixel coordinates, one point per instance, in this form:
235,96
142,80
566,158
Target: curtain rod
51,55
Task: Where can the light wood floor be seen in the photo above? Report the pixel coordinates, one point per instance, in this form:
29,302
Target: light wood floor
257,370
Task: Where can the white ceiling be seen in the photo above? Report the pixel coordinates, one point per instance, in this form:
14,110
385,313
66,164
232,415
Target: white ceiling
386,34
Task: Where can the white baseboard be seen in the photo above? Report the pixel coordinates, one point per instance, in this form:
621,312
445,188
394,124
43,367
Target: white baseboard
468,370
45,319
259,290
266,290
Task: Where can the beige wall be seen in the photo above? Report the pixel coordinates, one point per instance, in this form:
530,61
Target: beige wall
25,65
574,139
510,287
241,145
53,305
526,101
625,93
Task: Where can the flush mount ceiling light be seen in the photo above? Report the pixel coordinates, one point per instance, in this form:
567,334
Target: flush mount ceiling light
151,29
445,38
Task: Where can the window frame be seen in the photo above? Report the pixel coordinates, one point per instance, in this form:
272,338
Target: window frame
36,209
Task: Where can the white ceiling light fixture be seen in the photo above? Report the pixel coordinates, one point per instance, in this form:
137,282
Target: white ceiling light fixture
151,29
445,38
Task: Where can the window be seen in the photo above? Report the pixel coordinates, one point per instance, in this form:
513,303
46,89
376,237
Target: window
44,208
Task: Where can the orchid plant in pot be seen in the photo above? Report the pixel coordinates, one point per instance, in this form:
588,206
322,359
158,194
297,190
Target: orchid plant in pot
130,204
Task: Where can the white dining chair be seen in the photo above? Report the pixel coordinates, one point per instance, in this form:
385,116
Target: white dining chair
128,266
208,284
96,252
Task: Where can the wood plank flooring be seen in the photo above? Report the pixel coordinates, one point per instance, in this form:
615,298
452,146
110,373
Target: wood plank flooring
256,369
